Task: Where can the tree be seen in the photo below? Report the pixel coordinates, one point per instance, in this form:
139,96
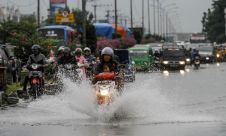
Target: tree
214,22
23,35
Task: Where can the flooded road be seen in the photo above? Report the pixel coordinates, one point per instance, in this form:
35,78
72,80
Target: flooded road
187,104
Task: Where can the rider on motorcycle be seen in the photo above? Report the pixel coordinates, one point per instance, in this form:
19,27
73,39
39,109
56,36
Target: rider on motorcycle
195,54
82,63
88,56
108,64
36,58
65,56
90,59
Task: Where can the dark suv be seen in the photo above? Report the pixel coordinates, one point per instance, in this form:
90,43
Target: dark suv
207,54
173,58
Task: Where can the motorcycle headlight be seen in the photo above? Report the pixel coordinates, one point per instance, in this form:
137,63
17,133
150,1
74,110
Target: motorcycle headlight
182,62
165,62
34,66
68,66
104,92
188,60
218,55
207,58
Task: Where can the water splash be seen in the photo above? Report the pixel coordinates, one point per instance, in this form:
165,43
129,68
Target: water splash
139,104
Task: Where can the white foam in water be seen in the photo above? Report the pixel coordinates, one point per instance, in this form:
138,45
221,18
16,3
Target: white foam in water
143,103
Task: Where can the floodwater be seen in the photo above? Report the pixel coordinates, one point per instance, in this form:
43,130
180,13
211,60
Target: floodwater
190,103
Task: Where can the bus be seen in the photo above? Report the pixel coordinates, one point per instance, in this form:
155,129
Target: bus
62,33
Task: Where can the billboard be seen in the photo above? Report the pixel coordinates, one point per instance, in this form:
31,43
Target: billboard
56,5
65,17
57,1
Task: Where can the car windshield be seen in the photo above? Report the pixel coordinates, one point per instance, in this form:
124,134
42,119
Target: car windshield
139,53
206,49
174,52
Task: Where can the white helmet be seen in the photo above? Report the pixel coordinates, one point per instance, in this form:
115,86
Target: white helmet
107,51
87,49
78,50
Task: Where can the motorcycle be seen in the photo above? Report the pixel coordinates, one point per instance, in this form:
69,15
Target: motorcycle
128,72
105,88
197,62
36,81
70,71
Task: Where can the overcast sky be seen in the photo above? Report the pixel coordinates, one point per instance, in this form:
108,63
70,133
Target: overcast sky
189,20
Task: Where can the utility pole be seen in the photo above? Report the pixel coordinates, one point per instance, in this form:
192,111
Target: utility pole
108,15
158,5
125,22
95,12
66,3
95,9
225,19
116,18
149,18
143,16
131,12
166,26
38,13
154,21
84,21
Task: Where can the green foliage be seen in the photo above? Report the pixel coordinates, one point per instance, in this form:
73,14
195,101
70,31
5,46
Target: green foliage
50,71
214,23
12,88
23,35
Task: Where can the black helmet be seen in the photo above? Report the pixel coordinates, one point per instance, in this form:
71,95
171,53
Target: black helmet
67,50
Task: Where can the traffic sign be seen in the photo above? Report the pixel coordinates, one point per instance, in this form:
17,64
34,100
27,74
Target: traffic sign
65,17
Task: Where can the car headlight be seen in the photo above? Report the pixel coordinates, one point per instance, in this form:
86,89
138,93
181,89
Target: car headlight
165,62
218,55
207,58
104,92
188,60
182,62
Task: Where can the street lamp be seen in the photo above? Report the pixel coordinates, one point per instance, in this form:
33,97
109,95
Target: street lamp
84,20
167,20
116,18
149,20
162,15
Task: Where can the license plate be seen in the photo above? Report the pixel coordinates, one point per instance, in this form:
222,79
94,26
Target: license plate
197,62
173,65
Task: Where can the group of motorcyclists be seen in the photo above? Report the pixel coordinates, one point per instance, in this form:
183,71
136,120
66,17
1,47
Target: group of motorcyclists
82,59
